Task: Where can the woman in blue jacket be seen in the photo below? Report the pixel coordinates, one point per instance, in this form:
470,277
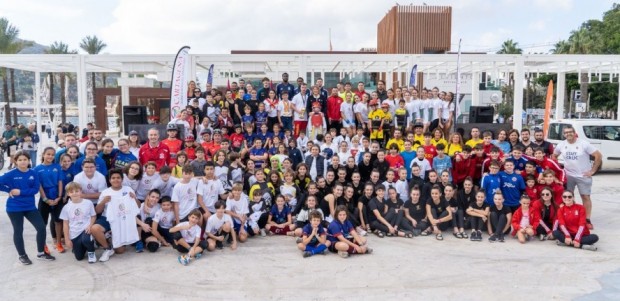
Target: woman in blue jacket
22,184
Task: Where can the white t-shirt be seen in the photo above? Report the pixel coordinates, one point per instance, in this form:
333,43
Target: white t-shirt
347,109
214,223
165,188
447,108
413,109
114,194
186,195
285,109
133,184
424,110
191,234
146,212
300,100
91,185
271,111
164,219
424,166
121,213
146,184
240,207
361,108
436,105
78,215
576,157
210,192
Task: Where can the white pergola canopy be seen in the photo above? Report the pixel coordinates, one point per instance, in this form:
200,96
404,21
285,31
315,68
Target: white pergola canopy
302,63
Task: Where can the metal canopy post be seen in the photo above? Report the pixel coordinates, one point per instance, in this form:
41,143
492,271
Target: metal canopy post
37,102
560,95
517,118
82,92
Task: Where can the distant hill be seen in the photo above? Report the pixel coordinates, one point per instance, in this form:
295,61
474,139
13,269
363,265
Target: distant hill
34,49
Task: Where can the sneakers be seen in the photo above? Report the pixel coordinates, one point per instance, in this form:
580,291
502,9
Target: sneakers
299,240
105,256
589,224
263,233
368,250
559,243
473,236
417,232
493,238
479,236
219,245
139,247
361,231
60,248
306,254
542,237
92,258
184,260
501,238
589,247
198,255
343,254
46,256
25,260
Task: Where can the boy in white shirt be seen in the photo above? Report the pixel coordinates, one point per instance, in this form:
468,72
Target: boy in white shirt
237,206
79,216
184,196
165,183
219,226
91,181
187,238
119,209
210,190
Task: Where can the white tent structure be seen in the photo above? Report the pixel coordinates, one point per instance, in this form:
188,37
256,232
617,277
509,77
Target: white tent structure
300,63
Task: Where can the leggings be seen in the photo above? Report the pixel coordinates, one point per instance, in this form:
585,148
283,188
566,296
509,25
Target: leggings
585,240
420,225
354,217
457,218
476,223
394,219
498,222
540,230
318,249
82,244
442,226
17,220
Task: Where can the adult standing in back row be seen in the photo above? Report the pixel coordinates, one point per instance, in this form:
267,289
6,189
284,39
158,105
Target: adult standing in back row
577,166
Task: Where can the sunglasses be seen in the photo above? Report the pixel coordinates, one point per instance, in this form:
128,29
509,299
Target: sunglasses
567,196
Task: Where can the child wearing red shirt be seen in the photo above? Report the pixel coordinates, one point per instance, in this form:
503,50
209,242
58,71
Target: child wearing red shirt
462,166
429,149
395,160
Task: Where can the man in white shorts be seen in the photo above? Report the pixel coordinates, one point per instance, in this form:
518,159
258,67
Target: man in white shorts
577,166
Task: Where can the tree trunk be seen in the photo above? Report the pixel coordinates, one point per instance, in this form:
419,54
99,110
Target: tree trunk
63,107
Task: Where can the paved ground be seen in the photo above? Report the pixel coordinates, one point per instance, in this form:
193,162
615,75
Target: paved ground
271,268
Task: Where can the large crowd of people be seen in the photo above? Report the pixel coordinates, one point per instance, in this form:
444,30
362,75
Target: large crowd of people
325,167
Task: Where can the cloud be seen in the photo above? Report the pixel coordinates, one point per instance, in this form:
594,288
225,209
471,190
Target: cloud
537,25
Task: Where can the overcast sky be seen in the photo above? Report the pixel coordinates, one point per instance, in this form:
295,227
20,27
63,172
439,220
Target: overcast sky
163,26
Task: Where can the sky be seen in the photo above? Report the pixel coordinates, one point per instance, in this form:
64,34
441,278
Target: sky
217,27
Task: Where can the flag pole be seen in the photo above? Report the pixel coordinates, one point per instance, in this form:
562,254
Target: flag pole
330,40
457,96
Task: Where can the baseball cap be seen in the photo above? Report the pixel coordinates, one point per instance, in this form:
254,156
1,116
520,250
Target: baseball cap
418,125
205,131
132,133
171,127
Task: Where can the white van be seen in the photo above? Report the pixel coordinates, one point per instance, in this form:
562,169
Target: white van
604,134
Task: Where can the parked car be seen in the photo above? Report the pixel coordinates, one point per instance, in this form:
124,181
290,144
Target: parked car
604,134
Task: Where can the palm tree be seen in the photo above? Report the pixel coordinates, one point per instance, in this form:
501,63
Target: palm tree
510,47
92,45
59,48
9,44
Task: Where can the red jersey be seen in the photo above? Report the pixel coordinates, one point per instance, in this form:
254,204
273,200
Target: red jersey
557,192
159,154
478,160
236,140
518,215
395,162
430,152
487,162
212,149
547,163
486,149
462,169
333,107
191,152
572,221
360,93
533,193
174,145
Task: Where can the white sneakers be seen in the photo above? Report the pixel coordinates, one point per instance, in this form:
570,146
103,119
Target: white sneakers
106,255
263,233
92,258
361,231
